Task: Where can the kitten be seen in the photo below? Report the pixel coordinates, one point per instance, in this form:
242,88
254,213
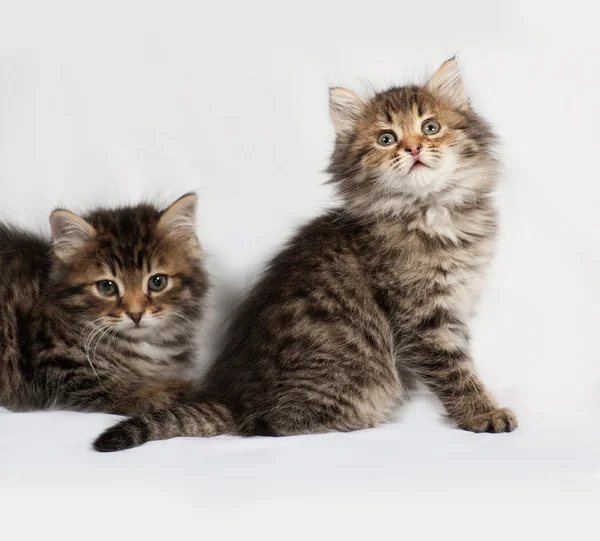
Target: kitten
367,298
104,317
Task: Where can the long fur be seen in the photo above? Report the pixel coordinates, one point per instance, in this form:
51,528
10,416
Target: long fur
369,297
65,346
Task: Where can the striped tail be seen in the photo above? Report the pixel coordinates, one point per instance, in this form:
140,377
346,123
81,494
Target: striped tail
203,418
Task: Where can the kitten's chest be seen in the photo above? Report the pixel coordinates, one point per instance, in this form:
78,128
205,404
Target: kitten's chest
415,269
157,360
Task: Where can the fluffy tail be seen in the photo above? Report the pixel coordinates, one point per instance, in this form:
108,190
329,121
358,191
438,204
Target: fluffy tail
203,418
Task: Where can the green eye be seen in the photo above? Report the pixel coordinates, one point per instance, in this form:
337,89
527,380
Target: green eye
107,288
158,282
386,139
430,127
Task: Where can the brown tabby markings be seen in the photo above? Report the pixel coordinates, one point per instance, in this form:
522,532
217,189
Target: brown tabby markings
64,345
370,297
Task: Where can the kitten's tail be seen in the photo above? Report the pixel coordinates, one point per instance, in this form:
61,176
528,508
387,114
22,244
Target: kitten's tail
204,417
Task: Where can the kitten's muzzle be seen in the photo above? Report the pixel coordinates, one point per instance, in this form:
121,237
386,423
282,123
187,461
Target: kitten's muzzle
417,164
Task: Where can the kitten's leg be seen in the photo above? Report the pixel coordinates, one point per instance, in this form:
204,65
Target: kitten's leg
340,393
61,383
149,396
439,354
14,393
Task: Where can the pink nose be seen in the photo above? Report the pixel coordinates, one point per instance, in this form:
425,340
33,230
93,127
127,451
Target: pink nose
415,150
135,316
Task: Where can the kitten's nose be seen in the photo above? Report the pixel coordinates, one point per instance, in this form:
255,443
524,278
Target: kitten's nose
415,150
135,316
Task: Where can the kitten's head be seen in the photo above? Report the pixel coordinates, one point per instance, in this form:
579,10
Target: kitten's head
411,144
135,270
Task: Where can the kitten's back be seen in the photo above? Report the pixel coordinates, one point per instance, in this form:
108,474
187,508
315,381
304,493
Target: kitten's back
24,267
24,262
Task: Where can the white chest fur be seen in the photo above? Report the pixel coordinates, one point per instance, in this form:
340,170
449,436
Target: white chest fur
154,356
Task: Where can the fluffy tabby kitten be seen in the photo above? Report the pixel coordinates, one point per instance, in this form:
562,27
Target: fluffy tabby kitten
104,317
369,297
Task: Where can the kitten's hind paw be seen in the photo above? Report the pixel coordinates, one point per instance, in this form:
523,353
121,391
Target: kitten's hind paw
124,435
495,421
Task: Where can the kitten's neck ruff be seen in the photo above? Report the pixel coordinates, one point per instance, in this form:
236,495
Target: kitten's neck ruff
161,354
462,210
156,352
160,360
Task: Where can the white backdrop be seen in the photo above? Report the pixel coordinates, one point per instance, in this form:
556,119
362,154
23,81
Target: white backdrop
112,102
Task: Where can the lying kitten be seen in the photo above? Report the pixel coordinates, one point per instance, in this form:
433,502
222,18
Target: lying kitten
368,297
104,318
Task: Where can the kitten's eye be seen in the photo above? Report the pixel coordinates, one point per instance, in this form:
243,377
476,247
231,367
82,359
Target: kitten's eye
107,288
158,282
386,139
430,127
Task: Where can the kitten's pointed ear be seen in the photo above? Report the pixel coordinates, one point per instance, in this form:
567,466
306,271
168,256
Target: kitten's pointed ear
179,220
447,82
69,233
345,108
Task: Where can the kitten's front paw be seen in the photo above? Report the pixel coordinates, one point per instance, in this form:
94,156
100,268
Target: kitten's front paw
155,396
498,420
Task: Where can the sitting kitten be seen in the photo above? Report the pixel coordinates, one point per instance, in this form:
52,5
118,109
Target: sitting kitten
368,297
104,318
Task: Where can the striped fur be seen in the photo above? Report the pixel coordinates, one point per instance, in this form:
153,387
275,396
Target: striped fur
370,297
65,346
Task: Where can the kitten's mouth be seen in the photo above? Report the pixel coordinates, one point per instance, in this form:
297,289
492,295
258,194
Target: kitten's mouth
418,164
136,330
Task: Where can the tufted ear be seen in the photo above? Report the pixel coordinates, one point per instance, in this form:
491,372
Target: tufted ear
179,220
69,233
448,83
345,108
